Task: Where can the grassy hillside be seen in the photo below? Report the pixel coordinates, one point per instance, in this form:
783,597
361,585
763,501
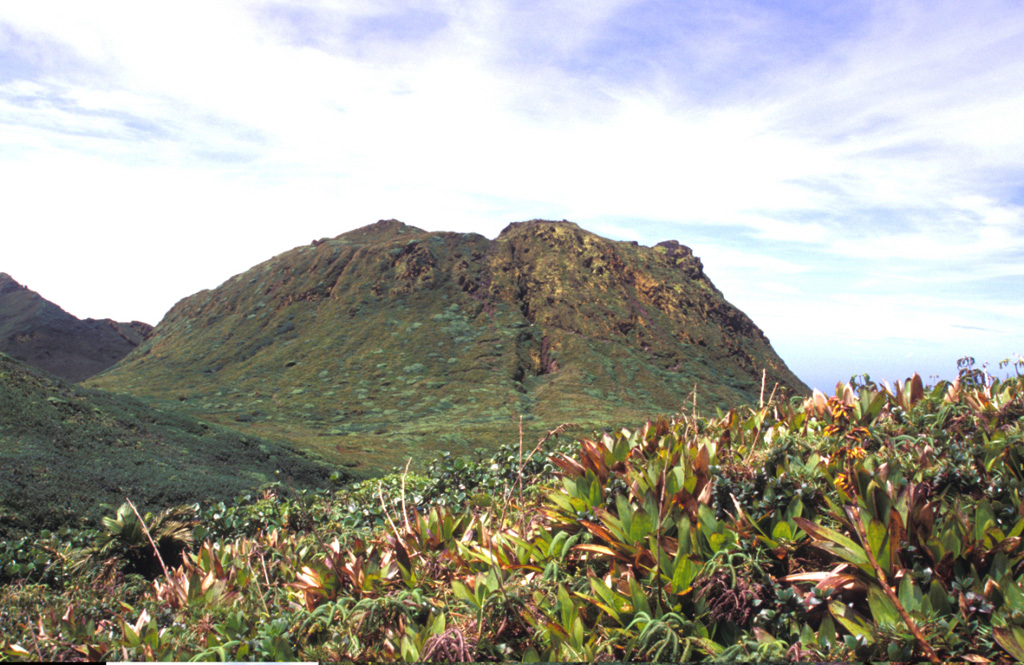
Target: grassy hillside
65,450
872,525
369,347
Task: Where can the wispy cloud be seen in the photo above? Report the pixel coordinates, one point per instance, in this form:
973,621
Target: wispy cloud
844,169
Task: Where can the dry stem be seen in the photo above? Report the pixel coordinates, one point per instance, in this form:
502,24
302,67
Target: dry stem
918,635
150,538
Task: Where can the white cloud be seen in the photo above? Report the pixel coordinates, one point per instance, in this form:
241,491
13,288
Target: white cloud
872,141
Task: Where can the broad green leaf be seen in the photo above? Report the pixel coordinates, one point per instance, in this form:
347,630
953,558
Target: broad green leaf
1017,529
875,407
1014,597
651,506
409,653
834,541
1011,639
577,632
685,538
131,637
556,548
950,542
827,632
674,480
878,539
438,624
713,648
641,525
795,509
567,607
882,608
596,496
909,595
707,518
983,519
625,511
939,598
852,621
640,603
561,501
611,602
812,462
782,532
879,503
684,575
999,567
925,605
493,582
620,450
462,592
718,541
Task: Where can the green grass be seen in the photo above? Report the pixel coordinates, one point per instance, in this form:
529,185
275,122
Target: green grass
65,450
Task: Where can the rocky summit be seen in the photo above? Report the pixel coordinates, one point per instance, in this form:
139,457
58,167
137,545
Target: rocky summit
38,332
389,342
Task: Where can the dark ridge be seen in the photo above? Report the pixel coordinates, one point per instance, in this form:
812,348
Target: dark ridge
38,332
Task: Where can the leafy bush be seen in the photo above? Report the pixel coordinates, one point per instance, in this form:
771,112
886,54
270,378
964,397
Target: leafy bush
874,524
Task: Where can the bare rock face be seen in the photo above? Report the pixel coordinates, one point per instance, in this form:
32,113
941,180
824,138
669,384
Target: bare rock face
41,334
388,342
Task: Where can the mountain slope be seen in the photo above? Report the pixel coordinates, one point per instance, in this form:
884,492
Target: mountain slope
40,333
389,341
64,450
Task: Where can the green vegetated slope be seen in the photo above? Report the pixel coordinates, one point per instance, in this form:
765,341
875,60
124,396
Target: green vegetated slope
875,525
40,333
389,342
65,450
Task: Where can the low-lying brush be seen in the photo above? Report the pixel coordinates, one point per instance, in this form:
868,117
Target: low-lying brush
874,524
66,450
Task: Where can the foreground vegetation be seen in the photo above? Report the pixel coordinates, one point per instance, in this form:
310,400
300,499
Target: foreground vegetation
875,524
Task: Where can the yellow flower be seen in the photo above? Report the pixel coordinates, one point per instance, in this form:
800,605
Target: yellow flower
858,434
843,482
857,453
840,411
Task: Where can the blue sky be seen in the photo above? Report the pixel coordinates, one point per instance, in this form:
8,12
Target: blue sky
851,173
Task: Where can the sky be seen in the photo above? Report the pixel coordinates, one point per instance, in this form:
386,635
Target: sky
851,173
